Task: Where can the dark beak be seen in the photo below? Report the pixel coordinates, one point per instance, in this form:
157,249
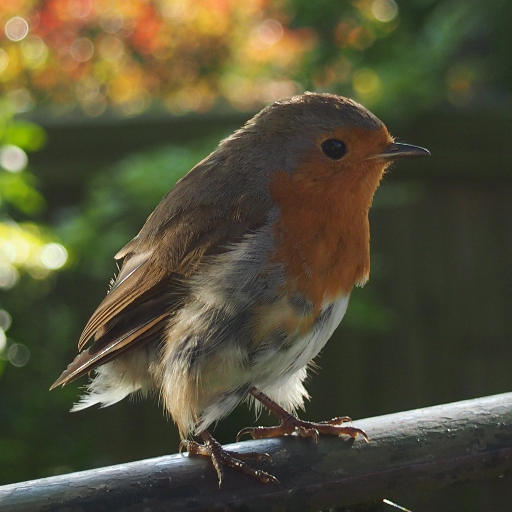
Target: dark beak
397,150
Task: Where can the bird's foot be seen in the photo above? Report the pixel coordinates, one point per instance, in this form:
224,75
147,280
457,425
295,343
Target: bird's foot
220,458
290,424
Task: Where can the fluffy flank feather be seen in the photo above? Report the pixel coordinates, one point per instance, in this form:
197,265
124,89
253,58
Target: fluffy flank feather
103,390
117,379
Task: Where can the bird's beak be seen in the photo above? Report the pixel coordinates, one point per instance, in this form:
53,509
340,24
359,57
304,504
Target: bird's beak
397,150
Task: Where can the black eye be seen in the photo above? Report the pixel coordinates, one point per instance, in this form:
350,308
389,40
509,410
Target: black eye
334,148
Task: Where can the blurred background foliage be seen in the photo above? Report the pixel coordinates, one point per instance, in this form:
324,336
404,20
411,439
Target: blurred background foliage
104,104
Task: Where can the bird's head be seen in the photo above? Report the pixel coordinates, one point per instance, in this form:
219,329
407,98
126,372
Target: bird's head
319,134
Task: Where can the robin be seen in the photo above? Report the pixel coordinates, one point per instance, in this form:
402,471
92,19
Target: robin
242,273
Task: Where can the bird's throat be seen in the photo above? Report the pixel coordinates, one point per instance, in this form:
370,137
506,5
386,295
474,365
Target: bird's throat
323,235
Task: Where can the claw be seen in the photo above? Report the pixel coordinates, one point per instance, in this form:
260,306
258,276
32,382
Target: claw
253,456
220,458
363,434
183,444
246,430
338,420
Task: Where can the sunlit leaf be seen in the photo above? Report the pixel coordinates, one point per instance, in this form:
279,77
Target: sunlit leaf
18,189
26,135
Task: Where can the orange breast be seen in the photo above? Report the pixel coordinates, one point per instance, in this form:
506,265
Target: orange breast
323,234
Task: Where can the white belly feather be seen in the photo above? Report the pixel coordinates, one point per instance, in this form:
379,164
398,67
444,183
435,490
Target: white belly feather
282,374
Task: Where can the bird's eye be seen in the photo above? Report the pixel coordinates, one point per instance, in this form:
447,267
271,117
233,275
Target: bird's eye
334,148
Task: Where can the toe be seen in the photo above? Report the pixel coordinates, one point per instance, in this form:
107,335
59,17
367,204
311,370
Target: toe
251,456
339,420
307,432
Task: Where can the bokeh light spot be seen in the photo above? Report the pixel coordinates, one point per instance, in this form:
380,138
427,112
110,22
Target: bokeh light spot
5,320
4,60
3,340
267,34
275,90
270,32
79,8
34,51
460,85
137,104
178,10
53,256
90,90
16,28
94,108
111,48
8,276
350,34
366,83
112,22
20,99
13,158
82,49
384,10
18,250
18,355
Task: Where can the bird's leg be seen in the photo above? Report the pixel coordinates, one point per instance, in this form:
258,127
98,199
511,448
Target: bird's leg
290,424
220,458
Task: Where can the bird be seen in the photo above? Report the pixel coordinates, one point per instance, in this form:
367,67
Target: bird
242,273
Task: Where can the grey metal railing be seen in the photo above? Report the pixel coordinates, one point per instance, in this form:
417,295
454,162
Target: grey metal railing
421,449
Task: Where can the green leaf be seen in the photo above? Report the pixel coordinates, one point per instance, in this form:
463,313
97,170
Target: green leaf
26,135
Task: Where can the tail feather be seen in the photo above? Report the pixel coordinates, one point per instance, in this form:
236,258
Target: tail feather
102,352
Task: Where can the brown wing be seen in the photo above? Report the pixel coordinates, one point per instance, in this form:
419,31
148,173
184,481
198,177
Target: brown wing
205,212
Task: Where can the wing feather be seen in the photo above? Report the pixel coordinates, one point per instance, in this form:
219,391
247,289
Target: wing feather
93,357
207,212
